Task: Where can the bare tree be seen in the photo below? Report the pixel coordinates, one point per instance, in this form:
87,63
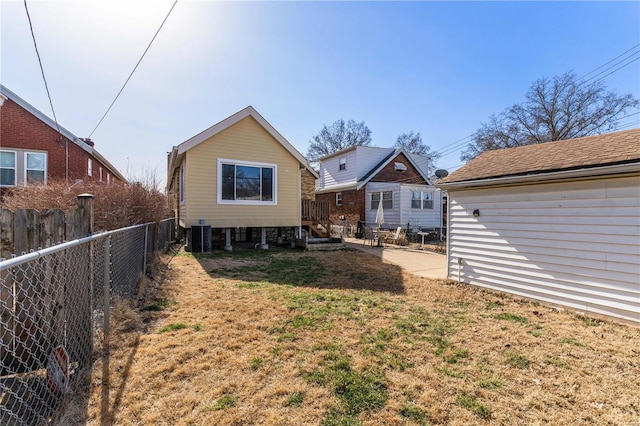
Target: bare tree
412,142
338,136
555,109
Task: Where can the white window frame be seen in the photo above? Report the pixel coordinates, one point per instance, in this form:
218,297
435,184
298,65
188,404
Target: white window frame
183,173
422,200
89,167
342,163
15,168
339,199
383,200
274,197
26,169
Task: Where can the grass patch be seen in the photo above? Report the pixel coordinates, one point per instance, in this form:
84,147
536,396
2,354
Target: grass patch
358,391
456,374
591,322
197,327
295,399
491,383
413,413
510,317
571,342
224,402
454,355
472,404
172,327
256,362
158,305
517,361
558,362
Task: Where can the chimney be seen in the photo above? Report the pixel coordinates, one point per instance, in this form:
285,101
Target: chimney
88,141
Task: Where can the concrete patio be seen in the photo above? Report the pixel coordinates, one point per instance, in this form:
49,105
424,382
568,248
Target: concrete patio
423,263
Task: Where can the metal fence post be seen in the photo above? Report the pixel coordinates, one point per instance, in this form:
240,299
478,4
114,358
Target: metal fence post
146,241
106,287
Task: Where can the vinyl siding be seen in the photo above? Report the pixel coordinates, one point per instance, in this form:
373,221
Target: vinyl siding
420,218
575,244
391,217
244,141
330,173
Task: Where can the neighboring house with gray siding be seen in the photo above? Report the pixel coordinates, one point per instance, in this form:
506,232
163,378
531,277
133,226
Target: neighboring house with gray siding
557,222
354,180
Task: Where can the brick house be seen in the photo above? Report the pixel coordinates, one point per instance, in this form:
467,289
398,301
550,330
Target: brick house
355,180
33,150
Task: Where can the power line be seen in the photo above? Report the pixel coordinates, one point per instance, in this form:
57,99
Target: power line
618,69
46,86
134,68
449,145
606,63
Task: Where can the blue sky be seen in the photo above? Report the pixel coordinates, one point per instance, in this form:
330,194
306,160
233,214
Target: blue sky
438,68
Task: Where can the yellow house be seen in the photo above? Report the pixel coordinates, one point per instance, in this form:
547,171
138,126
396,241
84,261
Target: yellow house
240,177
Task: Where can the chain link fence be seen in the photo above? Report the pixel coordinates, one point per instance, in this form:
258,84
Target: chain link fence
52,305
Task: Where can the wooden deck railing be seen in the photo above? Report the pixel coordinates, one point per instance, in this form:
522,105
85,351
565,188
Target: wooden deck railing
316,211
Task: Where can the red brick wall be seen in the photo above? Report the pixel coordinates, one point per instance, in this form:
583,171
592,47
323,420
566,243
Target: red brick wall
389,174
21,130
353,205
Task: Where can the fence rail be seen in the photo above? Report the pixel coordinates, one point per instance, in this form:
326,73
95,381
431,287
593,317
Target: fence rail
52,302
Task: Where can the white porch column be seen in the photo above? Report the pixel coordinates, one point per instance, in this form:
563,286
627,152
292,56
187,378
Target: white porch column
263,239
227,244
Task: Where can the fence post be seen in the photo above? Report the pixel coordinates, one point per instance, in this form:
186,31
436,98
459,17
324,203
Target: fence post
146,242
83,217
82,316
106,288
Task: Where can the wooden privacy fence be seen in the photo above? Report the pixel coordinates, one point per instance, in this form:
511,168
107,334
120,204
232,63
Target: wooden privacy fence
28,229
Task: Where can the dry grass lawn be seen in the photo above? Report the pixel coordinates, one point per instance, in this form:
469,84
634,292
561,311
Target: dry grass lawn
293,338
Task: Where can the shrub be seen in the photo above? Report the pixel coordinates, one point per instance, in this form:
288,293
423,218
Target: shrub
115,206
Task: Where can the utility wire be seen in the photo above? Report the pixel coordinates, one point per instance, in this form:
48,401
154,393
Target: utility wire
607,63
618,69
46,86
134,68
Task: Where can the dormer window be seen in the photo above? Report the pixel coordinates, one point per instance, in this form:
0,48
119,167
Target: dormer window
343,163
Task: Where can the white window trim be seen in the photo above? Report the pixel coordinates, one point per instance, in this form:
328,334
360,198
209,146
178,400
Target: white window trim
381,200
341,161
339,194
100,169
251,164
422,200
15,168
45,166
89,167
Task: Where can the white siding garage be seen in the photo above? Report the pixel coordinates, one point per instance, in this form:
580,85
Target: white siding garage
566,237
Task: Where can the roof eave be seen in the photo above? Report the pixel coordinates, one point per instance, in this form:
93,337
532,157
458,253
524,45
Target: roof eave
233,119
551,176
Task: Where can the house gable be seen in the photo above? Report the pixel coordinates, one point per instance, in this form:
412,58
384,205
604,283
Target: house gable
245,141
387,171
26,129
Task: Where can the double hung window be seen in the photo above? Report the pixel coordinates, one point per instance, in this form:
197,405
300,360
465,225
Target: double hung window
36,167
387,200
7,168
421,200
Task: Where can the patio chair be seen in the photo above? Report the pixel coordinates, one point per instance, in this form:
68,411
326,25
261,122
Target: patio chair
395,238
369,235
